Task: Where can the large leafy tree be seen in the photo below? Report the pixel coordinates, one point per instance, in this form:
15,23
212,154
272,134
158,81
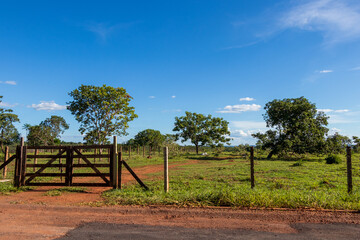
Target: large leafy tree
8,132
296,126
47,132
202,130
150,137
101,111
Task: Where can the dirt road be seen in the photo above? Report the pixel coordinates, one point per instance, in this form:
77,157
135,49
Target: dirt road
33,215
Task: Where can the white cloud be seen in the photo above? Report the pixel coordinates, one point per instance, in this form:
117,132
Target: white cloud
248,124
325,71
4,104
240,108
8,82
240,133
151,97
333,111
248,99
173,96
47,106
337,20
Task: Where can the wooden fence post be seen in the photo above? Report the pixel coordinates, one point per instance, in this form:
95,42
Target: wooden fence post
144,151
115,163
6,156
119,169
166,169
252,177
23,166
349,169
18,163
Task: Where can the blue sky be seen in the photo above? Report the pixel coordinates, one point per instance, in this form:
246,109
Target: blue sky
224,58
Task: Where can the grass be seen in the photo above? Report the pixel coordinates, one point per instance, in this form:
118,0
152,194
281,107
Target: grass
7,188
304,183
223,180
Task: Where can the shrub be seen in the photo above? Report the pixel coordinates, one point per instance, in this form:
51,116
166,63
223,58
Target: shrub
333,159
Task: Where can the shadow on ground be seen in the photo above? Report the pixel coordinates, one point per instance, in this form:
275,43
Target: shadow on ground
97,230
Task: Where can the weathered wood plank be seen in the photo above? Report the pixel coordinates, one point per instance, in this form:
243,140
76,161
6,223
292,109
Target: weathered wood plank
44,174
45,166
134,175
95,165
7,162
90,174
46,184
92,166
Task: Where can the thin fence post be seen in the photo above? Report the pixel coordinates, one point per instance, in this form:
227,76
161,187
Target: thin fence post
143,150
35,159
119,169
166,169
129,152
349,169
6,156
252,177
115,164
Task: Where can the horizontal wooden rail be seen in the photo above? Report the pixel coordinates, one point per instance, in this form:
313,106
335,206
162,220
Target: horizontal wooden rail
90,174
92,155
46,184
75,146
45,147
95,165
57,165
45,174
44,156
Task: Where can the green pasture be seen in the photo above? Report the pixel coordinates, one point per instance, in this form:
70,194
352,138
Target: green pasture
224,180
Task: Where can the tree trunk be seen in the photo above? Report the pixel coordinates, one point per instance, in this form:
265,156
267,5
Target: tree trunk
197,149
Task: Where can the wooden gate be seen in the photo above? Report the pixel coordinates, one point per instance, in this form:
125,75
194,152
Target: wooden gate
70,164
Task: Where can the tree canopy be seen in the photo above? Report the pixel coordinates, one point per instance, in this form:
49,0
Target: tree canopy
8,132
296,126
336,143
150,137
47,132
101,111
202,130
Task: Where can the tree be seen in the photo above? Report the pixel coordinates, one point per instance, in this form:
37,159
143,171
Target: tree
202,130
8,132
47,132
150,137
296,127
356,141
38,135
101,111
337,143
56,124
